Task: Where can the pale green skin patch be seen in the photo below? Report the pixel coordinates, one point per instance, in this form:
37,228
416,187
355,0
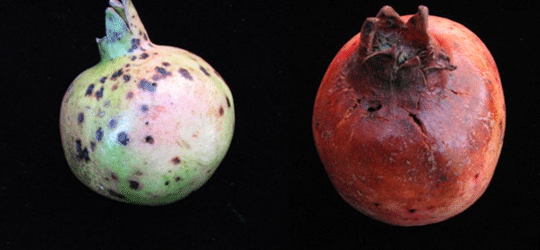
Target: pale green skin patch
149,126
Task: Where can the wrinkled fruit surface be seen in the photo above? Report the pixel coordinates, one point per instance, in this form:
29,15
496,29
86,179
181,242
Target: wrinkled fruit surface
409,118
147,127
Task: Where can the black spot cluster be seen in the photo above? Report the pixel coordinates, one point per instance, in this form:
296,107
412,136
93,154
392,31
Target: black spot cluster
204,71
82,154
185,73
135,43
116,74
147,86
89,90
123,138
99,93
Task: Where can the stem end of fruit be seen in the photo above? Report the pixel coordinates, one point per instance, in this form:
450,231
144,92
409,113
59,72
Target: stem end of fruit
124,30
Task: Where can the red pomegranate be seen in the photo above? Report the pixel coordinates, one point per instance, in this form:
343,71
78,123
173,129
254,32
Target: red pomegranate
409,118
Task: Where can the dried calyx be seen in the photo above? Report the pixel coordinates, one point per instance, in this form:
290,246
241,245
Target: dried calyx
396,50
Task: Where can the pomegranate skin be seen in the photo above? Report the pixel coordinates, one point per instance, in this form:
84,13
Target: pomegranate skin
409,118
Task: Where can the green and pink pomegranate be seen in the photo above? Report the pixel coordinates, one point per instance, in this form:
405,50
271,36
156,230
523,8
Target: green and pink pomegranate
149,124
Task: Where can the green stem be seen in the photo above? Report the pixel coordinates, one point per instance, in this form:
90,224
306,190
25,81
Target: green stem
125,33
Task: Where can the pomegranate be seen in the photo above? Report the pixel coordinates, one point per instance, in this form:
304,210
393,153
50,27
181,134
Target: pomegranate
409,118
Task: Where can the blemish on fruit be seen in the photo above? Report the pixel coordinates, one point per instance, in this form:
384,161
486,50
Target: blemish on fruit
99,93
133,58
144,108
115,194
166,183
133,185
126,77
103,79
149,139
228,102
177,179
82,154
185,73
114,176
116,74
123,138
114,87
161,70
147,86
221,111
176,160
129,95
376,204
204,70
92,146
113,123
99,134
135,42
80,118
412,211
144,55
476,175
89,90
166,64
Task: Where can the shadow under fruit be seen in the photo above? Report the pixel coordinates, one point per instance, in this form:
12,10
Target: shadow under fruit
409,118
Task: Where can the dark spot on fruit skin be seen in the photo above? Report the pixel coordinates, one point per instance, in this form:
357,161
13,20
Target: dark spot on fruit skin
129,95
144,55
115,194
176,160
99,93
99,134
161,70
177,179
133,185
204,71
376,204
113,123
166,183
476,175
185,73
412,211
442,178
147,86
89,90
166,64
146,123
114,87
82,154
114,176
80,118
135,42
144,108
103,79
126,77
127,65
123,138
117,74
228,102
133,58
92,146
221,111
149,139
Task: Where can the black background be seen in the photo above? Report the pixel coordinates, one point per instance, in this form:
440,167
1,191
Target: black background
271,191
